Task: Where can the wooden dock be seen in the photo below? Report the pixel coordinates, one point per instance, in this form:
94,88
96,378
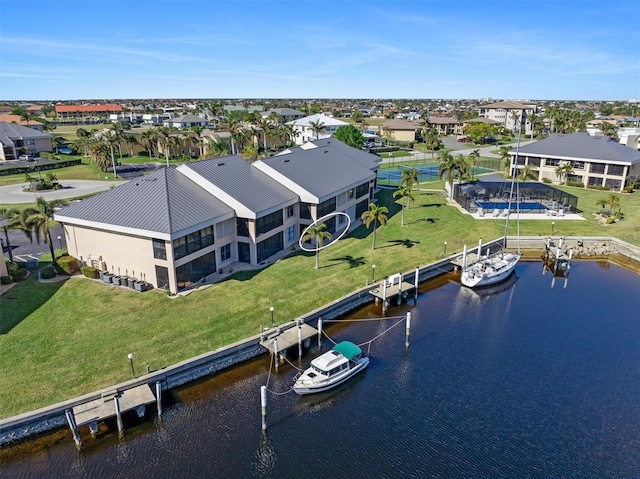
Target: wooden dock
392,290
288,338
103,408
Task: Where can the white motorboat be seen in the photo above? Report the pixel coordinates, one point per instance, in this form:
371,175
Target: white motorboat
332,368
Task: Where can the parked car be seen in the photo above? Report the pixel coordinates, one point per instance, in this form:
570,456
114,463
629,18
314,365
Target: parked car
26,158
489,140
372,143
465,139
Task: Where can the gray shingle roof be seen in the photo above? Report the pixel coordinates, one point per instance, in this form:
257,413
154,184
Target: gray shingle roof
13,131
324,170
246,184
583,146
164,202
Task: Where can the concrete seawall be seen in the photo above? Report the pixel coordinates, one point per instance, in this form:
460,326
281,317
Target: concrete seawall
51,417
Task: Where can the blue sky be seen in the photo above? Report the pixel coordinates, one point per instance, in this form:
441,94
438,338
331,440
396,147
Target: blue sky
518,49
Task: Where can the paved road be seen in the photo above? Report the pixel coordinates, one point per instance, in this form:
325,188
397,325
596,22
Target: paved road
24,250
15,194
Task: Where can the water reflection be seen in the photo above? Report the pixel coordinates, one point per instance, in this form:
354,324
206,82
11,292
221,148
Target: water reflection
528,381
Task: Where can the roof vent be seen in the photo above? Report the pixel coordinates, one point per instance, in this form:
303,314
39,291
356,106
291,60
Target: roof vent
286,161
220,163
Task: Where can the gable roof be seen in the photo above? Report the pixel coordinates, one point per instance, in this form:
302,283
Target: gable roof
88,108
232,179
188,118
509,105
400,125
163,205
366,159
13,131
317,170
582,146
318,118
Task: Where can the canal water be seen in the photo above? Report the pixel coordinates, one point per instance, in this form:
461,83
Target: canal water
521,381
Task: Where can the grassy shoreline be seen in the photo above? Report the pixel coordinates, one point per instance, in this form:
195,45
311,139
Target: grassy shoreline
60,340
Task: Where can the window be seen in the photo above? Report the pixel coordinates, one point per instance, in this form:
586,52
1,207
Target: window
597,168
162,277
269,247
361,208
291,233
197,269
244,252
342,199
225,253
159,249
290,211
225,228
305,211
351,194
268,222
616,170
551,162
192,242
326,207
577,165
362,189
242,227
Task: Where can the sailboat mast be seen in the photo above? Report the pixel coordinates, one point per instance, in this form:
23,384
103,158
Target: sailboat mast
513,181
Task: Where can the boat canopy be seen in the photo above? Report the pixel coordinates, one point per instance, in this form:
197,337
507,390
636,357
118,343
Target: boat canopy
347,349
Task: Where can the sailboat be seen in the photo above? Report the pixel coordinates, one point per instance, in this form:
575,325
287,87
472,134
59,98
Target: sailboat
493,269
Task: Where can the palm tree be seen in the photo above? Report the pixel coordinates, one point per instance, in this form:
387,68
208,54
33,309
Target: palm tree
449,165
13,216
317,127
317,235
132,140
36,221
218,147
526,172
264,124
403,192
250,153
100,152
431,140
234,131
149,141
611,200
563,170
505,156
162,135
408,179
474,155
375,214
196,134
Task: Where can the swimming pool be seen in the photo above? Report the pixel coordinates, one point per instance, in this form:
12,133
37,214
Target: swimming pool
523,205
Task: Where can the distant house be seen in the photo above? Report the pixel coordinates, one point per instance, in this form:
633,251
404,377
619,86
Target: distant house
506,113
186,121
446,125
304,131
287,114
400,130
596,160
179,224
8,118
86,112
18,140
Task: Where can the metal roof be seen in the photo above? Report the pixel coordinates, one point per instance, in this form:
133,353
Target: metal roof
239,184
581,146
13,131
163,202
366,159
322,168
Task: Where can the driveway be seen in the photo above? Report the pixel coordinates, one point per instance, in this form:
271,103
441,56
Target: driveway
15,194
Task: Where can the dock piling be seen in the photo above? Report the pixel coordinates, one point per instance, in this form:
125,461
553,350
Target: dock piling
74,429
263,403
319,332
400,291
415,282
384,295
116,401
275,352
159,398
299,340
408,330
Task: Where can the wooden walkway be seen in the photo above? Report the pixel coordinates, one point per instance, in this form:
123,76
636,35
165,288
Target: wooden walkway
391,292
104,407
289,337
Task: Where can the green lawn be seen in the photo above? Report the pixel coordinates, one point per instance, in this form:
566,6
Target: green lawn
59,340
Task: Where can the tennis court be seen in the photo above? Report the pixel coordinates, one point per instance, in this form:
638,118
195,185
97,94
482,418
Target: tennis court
428,172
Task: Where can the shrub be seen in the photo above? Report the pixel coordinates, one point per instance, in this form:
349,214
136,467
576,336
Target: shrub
4,280
90,272
577,184
17,271
67,265
628,189
48,272
597,187
546,180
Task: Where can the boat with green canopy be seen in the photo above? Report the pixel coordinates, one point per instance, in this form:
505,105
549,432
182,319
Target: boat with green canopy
332,368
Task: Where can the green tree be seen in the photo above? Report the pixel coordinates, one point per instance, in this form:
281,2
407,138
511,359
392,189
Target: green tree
36,221
349,135
448,167
563,170
404,193
374,215
477,131
13,217
473,158
409,178
132,140
612,201
317,127
527,172
250,153
431,140
317,235
505,156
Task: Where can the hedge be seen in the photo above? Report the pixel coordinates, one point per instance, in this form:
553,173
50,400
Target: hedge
67,265
21,170
90,272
